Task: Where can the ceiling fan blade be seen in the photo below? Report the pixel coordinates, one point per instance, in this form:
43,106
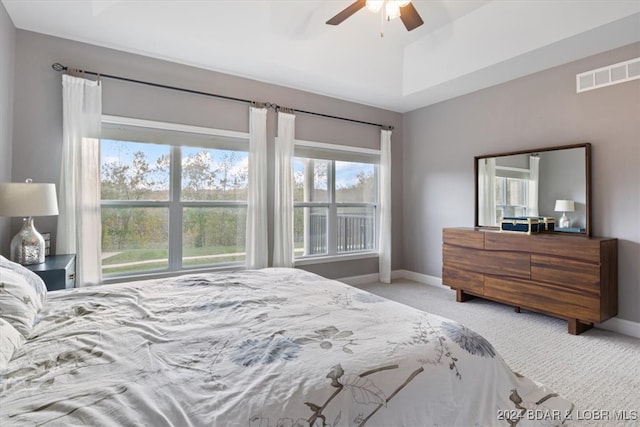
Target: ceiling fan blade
353,8
410,17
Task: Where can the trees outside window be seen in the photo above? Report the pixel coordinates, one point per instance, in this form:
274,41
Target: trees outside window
171,207
174,197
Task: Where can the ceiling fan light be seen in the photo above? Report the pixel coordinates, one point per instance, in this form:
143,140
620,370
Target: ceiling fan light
392,10
375,5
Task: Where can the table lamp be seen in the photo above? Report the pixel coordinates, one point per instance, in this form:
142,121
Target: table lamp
564,206
27,200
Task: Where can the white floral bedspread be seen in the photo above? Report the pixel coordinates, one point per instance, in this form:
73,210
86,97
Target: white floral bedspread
266,348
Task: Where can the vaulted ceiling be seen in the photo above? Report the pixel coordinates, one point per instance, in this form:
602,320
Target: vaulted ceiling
463,45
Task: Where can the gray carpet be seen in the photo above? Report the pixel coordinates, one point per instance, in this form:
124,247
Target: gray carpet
598,370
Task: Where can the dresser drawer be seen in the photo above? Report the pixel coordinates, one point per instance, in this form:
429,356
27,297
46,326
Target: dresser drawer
462,279
479,261
467,238
576,247
569,273
545,298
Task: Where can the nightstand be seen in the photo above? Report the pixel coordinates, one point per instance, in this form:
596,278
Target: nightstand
57,271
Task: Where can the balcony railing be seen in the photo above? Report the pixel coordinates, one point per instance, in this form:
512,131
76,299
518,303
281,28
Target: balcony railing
355,232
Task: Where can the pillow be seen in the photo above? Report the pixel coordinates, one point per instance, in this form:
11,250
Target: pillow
32,278
10,341
19,300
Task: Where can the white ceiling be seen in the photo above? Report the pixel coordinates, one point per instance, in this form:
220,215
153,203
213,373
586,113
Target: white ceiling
464,45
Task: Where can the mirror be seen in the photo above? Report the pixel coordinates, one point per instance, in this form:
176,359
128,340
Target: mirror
536,183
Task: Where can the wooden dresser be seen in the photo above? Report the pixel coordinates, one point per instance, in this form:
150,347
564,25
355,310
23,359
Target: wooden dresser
568,276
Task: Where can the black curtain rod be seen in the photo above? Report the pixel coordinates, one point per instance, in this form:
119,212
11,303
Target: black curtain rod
60,68
345,119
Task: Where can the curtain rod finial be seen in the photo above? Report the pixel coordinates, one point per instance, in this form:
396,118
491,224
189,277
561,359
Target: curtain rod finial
58,67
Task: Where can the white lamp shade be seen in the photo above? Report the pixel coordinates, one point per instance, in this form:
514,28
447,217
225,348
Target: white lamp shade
564,206
28,199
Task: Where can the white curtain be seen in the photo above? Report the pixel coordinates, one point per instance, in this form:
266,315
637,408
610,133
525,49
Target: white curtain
283,192
257,239
384,230
79,225
534,180
487,192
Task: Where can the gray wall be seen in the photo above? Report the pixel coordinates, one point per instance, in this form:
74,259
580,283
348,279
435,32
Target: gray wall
38,115
7,61
539,110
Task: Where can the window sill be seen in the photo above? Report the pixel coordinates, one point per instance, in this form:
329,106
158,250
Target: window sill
322,259
165,274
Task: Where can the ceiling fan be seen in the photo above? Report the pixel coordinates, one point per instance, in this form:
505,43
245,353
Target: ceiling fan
389,10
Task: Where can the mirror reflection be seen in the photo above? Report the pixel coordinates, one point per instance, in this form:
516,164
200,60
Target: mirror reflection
540,183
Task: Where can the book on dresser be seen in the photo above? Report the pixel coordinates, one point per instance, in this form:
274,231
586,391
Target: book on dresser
574,277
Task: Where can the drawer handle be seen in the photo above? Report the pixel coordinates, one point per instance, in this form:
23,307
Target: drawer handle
72,276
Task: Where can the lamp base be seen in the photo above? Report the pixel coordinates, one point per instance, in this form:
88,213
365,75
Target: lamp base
565,222
27,247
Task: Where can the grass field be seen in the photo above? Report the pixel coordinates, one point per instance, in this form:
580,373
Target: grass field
145,260
142,260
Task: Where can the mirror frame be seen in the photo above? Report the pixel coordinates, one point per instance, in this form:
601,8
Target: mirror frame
587,159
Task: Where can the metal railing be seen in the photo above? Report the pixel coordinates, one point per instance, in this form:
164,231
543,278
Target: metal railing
355,232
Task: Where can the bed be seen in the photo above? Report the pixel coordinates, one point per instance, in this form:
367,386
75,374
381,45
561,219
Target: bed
263,348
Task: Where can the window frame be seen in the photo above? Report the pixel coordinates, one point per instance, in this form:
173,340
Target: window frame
335,153
509,173
174,204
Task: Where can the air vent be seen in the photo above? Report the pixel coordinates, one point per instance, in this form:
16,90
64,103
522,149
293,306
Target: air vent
609,75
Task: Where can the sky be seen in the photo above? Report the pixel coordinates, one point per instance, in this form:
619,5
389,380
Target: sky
114,151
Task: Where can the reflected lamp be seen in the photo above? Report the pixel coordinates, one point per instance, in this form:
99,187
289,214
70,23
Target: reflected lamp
27,200
564,206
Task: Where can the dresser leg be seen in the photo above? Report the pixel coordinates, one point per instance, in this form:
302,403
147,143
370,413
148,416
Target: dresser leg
577,327
517,309
462,297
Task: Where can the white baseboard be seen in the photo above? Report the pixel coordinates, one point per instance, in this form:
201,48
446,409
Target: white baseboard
416,277
395,274
621,326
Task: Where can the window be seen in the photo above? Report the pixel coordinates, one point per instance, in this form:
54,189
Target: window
335,202
171,199
512,189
